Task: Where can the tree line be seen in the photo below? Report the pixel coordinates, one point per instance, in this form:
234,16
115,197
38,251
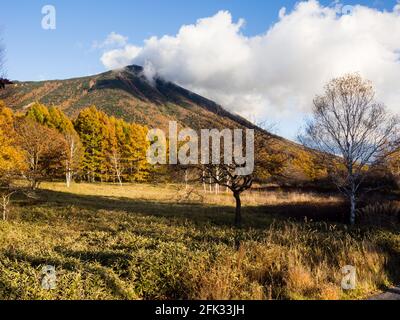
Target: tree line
351,140
349,137
44,143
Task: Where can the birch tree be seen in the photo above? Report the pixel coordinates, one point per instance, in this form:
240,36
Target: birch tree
117,165
353,130
73,156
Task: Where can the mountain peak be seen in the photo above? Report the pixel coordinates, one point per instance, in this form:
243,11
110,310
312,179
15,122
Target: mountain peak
128,94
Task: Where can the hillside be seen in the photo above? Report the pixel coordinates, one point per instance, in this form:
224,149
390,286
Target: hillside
127,94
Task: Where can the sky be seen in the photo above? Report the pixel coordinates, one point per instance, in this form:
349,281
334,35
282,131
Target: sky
265,60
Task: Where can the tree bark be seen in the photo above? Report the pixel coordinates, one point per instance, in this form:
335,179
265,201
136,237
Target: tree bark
68,178
69,162
238,212
119,179
6,200
4,205
352,209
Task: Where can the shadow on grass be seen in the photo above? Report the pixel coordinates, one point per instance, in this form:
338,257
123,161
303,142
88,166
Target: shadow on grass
257,217
254,216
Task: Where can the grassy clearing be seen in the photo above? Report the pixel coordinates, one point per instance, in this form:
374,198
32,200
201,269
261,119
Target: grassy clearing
160,242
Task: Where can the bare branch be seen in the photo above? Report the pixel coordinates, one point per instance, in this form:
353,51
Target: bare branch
355,130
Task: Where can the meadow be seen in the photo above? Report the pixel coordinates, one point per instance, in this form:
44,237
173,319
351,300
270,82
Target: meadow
159,242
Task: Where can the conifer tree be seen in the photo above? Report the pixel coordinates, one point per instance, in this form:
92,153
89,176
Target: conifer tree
92,134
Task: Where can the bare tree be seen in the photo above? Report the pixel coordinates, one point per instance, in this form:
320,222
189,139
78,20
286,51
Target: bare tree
353,131
225,175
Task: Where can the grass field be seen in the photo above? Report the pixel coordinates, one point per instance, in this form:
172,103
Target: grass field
165,242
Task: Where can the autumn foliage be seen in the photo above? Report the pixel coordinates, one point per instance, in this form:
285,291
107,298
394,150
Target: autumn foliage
45,144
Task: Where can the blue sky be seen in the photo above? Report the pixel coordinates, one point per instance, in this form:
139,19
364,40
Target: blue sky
37,54
34,53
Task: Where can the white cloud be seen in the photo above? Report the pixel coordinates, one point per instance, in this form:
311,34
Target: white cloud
118,58
281,70
113,40
397,8
149,71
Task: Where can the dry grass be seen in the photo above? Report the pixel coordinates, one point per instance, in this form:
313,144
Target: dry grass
178,193
137,242
380,214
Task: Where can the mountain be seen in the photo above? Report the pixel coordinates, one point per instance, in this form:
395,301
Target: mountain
128,94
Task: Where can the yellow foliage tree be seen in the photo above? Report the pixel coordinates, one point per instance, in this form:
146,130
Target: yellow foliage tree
12,158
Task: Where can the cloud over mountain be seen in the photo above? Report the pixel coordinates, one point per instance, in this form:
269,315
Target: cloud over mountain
281,70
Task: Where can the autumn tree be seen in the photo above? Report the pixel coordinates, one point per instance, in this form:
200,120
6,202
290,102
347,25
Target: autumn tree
44,148
270,157
90,126
56,119
113,148
353,131
12,159
103,148
127,153
135,151
115,136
